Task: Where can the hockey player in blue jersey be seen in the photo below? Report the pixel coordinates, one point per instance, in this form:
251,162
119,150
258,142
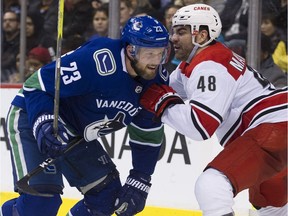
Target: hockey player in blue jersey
101,83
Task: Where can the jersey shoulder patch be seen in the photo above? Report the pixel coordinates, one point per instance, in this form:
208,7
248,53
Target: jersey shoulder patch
105,62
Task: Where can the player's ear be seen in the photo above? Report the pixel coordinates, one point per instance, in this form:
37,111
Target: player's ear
129,50
202,36
205,34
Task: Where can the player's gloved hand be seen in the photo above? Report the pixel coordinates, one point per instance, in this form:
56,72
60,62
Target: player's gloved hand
132,197
44,134
158,97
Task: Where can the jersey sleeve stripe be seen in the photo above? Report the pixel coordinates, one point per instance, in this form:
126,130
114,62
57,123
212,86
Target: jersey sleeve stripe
146,137
254,110
145,143
208,122
211,112
146,129
34,82
197,125
269,111
40,80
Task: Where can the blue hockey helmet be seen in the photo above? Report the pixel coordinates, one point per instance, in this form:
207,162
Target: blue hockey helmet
145,31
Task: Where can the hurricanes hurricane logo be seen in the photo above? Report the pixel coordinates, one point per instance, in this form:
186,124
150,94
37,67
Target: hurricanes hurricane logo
104,127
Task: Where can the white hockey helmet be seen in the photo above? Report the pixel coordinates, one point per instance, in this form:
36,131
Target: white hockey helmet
197,15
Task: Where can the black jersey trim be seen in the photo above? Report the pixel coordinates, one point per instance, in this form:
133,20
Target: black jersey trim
235,125
269,111
197,126
215,114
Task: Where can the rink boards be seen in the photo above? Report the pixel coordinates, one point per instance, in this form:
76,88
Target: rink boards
181,161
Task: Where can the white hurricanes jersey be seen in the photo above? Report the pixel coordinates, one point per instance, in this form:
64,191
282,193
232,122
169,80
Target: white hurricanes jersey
224,96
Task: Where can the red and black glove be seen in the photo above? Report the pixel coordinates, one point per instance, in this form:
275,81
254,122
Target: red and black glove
158,97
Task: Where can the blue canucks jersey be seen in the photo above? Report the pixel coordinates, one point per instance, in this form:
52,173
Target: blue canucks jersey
97,97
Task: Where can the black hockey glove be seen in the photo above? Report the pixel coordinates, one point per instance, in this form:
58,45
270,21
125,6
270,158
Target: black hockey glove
132,197
46,140
158,97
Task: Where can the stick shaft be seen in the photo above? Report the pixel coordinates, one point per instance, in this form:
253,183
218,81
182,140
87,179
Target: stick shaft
58,65
23,185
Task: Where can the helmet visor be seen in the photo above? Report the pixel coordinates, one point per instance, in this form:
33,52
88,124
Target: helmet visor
148,55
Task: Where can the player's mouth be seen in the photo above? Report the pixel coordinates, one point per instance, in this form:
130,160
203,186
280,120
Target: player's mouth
152,67
176,48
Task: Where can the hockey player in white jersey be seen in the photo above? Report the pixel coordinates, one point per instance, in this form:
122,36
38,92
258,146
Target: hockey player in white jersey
225,96
100,87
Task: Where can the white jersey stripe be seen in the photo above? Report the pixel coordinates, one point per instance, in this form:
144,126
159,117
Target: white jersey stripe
255,110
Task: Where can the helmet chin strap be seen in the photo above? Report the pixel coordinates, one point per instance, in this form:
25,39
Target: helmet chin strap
201,45
193,52
195,48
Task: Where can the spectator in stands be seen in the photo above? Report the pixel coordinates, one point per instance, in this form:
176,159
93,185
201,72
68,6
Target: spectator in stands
156,4
77,17
235,13
34,26
271,7
35,36
37,57
142,3
234,17
278,39
188,2
267,66
282,16
140,11
145,10
147,7
10,45
16,77
238,46
100,23
95,3
134,4
47,10
218,5
126,11
72,42
13,5
280,56
169,12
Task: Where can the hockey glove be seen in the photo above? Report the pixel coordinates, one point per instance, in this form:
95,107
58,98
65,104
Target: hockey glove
132,196
47,142
158,97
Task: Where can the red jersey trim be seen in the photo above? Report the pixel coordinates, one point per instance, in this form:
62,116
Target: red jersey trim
208,122
251,113
235,64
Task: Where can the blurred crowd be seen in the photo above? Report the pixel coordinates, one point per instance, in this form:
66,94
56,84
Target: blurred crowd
85,20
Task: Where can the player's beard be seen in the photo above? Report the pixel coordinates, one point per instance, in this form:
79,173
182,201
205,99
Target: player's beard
143,71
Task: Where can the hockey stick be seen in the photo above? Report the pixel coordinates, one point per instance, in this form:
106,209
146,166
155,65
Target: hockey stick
22,184
58,66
